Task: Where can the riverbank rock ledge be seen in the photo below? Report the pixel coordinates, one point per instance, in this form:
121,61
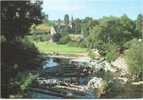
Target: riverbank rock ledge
97,85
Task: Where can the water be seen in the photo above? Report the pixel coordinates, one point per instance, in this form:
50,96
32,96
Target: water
53,64
38,95
50,63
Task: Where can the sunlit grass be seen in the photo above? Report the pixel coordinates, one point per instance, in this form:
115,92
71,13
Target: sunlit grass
46,47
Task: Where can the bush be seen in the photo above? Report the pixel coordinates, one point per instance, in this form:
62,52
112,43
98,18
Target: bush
134,58
25,81
22,52
91,54
82,44
56,37
26,42
112,53
129,43
64,39
102,47
111,56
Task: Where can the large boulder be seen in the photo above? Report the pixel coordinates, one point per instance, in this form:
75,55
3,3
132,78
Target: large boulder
97,85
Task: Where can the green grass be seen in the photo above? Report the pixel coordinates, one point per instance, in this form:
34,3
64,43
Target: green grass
47,48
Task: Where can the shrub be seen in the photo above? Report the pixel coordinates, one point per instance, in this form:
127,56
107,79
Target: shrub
64,39
91,54
134,58
26,81
56,37
129,43
111,53
26,42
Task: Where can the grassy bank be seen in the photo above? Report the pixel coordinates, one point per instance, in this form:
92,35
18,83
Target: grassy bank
48,48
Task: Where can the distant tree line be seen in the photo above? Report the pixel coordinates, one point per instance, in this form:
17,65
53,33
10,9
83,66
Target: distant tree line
117,30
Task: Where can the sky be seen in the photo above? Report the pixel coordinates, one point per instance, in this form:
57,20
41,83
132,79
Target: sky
93,8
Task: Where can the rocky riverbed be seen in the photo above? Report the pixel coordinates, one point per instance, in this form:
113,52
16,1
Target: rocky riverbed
78,78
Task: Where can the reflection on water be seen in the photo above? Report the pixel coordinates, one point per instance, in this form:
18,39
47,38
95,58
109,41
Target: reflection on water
50,63
37,95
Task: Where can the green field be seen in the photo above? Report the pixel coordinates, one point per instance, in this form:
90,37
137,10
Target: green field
48,48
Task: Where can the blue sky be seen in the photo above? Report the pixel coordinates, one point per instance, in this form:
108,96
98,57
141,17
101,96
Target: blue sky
93,8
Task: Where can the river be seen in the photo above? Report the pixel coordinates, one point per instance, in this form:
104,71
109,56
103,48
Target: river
62,70
53,66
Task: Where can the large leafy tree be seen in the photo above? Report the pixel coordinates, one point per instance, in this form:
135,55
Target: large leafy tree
86,25
16,20
110,30
18,16
127,27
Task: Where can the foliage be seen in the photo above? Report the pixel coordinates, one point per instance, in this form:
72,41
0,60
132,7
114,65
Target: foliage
91,54
86,25
66,19
17,56
128,44
18,53
26,81
112,53
64,39
77,26
26,42
18,16
139,25
134,57
75,37
73,43
42,28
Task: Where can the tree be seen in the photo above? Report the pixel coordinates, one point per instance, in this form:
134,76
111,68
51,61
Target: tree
86,25
73,25
77,26
18,16
94,36
66,19
139,25
16,20
134,58
58,26
127,27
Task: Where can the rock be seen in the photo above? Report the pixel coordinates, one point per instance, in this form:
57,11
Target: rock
120,63
42,81
97,85
94,82
124,79
137,83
